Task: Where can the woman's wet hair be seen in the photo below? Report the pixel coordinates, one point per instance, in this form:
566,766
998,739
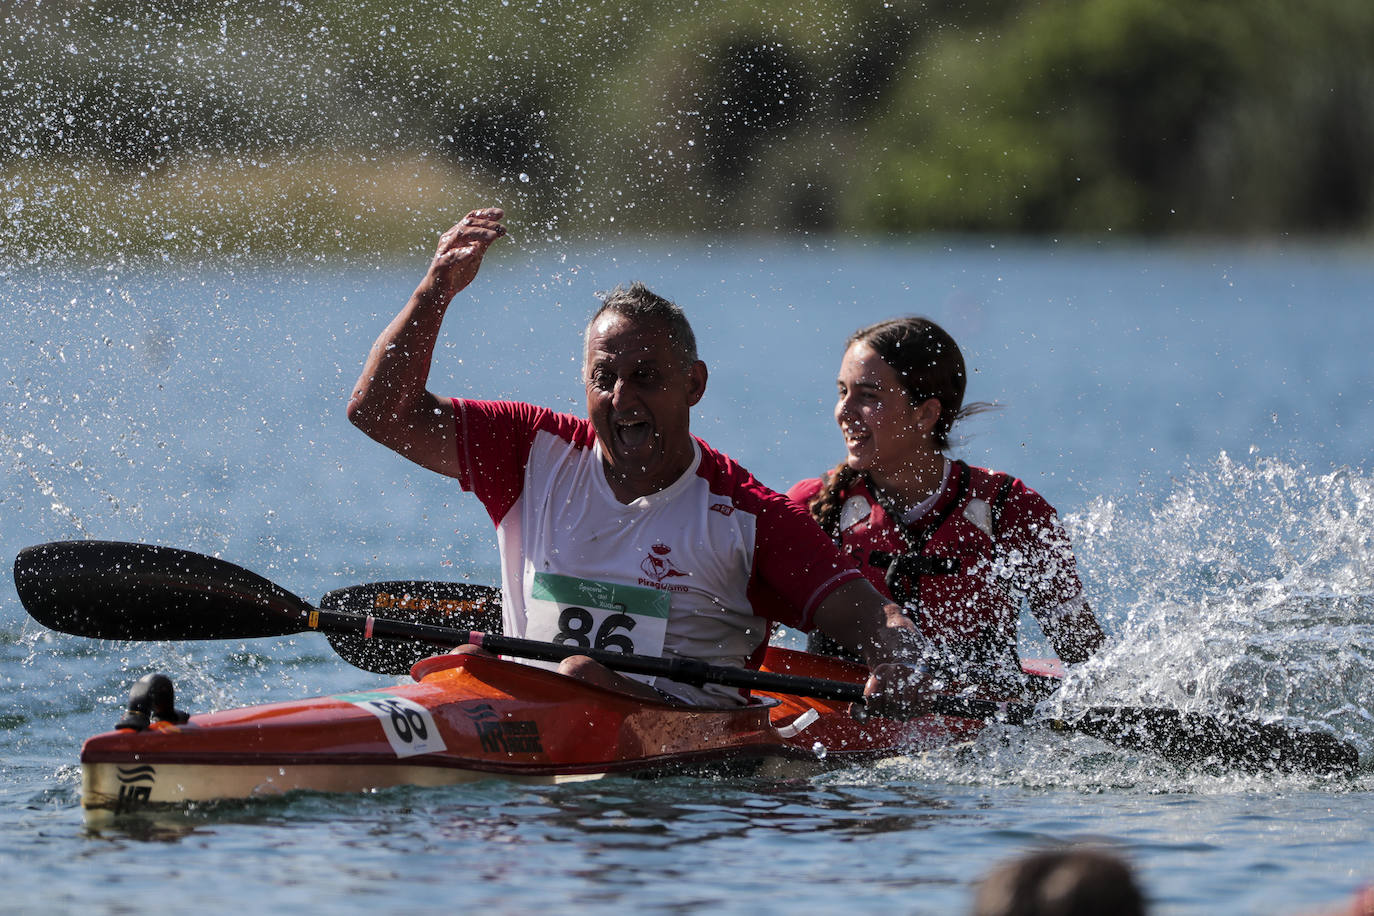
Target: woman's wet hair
930,365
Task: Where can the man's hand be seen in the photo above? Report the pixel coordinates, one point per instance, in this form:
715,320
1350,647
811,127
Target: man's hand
897,691
461,249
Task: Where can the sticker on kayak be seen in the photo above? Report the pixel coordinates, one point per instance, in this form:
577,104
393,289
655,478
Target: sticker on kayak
409,726
135,787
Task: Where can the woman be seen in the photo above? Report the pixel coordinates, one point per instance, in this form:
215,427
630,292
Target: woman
957,545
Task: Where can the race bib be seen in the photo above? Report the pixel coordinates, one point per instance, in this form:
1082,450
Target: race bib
609,616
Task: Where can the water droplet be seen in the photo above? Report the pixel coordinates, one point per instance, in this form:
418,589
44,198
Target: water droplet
524,177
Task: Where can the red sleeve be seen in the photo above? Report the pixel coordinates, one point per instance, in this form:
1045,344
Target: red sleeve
803,491
493,439
1039,549
796,565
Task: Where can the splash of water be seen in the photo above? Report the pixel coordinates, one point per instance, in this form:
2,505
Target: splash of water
16,452
1245,589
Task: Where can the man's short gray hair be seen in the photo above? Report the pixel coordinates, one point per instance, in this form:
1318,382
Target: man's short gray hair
639,303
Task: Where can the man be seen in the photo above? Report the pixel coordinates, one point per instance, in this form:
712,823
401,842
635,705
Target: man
624,531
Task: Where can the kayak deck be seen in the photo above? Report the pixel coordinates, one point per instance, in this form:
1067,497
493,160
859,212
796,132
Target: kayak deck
470,717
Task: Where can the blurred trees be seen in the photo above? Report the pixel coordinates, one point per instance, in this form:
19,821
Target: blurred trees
364,124
1138,116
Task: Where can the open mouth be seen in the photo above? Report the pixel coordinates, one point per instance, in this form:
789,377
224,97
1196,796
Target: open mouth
854,435
633,434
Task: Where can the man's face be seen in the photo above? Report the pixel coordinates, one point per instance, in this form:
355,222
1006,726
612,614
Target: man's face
640,391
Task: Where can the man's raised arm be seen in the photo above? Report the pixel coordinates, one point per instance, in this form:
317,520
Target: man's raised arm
391,401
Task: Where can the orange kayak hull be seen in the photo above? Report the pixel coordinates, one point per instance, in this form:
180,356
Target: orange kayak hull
470,717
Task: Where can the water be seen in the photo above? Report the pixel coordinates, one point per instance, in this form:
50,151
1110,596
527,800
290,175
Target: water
1200,416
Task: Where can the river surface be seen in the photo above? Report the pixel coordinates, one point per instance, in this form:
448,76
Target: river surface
1200,415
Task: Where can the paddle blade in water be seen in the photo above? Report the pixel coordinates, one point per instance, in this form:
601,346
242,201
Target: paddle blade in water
462,605
1226,743
117,590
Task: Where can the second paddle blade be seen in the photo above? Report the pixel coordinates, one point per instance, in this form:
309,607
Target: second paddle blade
118,590
1225,743
461,605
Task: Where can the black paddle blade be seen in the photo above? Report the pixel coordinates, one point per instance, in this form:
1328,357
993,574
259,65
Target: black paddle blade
1213,742
117,590
461,605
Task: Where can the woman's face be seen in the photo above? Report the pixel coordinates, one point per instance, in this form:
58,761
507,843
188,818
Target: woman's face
884,432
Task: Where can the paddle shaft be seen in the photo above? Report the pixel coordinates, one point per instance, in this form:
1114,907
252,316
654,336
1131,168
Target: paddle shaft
683,670
1179,736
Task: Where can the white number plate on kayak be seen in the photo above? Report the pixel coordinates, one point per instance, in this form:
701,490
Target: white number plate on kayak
409,726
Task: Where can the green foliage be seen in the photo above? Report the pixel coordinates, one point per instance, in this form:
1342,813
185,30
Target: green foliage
1127,115
1082,116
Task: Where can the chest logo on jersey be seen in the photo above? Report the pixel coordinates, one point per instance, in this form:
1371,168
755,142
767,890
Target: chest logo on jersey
657,565
724,509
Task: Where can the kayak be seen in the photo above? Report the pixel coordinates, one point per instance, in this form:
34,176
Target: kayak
472,717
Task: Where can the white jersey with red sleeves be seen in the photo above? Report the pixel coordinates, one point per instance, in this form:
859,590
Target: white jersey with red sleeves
698,570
